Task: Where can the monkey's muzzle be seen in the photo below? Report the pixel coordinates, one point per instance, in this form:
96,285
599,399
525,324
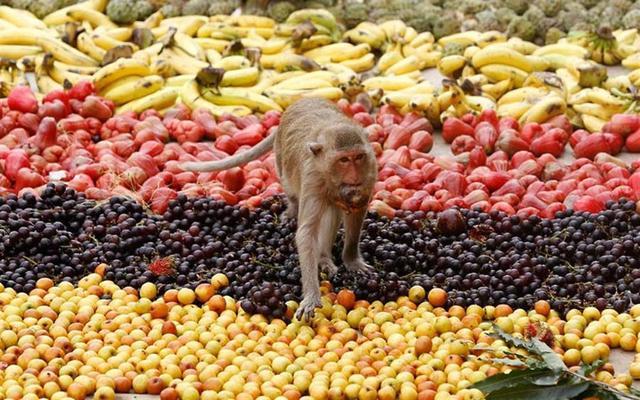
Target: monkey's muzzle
352,198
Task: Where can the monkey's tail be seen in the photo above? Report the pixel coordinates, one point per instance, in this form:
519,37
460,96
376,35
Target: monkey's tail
230,162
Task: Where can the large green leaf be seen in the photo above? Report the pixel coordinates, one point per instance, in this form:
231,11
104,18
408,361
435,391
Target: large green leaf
511,362
533,392
505,381
588,369
547,380
552,359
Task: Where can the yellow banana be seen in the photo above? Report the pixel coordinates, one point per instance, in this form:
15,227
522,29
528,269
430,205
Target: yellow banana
514,110
632,62
191,97
133,90
240,97
318,16
119,69
285,97
451,66
59,75
120,82
392,56
107,42
76,68
564,49
387,83
592,123
337,52
86,45
395,30
366,32
95,18
187,24
422,39
500,72
528,94
362,64
233,62
621,83
183,64
464,39
159,99
241,77
502,55
498,89
60,17
246,21
189,46
214,44
46,84
21,18
597,110
16,52
290,61
407,65
522,46
546,108
65,53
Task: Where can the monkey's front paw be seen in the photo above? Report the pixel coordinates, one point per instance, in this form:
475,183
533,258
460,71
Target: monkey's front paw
307,308
358,265
328,267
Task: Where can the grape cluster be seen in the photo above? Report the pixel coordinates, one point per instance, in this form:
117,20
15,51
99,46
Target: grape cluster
574,260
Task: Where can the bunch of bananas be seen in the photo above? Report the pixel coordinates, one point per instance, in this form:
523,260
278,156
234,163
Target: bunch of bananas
596,106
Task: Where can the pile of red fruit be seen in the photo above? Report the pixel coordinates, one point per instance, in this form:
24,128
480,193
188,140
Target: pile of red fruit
74,137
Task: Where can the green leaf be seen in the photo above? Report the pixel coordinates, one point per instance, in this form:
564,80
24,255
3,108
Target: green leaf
508,361
505,381
552,359
588,369
509,339
533,392
547,380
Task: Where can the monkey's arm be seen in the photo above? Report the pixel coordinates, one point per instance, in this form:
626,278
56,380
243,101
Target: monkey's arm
310,214
351,253
230,162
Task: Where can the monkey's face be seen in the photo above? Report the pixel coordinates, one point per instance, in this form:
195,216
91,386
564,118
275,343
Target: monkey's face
353,175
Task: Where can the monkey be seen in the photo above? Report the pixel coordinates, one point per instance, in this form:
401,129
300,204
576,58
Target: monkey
327,168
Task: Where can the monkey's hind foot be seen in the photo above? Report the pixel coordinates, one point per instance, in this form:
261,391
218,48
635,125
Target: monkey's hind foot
358,265
307,308
327,267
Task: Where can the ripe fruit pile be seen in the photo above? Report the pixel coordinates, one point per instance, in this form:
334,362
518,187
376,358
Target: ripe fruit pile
70,342
478,258
74,137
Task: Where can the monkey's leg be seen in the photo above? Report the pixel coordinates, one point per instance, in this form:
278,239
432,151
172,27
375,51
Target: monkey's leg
328,231
308,244
292,208
351,256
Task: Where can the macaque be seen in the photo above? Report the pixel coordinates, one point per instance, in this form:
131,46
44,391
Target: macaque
328,169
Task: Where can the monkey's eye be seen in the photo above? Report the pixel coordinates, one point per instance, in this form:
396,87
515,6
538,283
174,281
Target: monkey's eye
344,160
360,157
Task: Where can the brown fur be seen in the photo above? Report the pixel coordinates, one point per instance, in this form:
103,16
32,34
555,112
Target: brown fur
311,146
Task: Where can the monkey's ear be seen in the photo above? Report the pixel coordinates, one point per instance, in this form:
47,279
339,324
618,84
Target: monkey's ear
315,148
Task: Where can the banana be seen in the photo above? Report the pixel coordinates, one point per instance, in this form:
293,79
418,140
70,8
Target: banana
133,90
564,49
187,24
95,18
319,16
241,77
60,75
392,56
428,59
522,46
528,94
367,32
569,81
214,44
229,63
395,30
337,52
16,52
424,87
184,64
514,110
106,42
152,21
597,110
87,45
213,56
422,39
598,96
314,42
297,79
46,84
76,68
119,69
65,53
189,46
60,17
546,108
464,39
626,36
285,97
502,55
21,18
496,90
387,83
592,123
239,97
500,72
120,82
409,64
632,61
302,84
451,66
621,83
290,61
489,38
479,103
159,99
246,21
362,64
190,96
